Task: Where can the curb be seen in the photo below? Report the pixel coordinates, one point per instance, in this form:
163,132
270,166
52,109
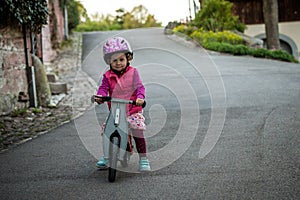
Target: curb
84,86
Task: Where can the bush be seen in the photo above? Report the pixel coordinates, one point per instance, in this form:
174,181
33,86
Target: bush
185,29
273,54
216,15
244,50
281,55
260,53
204,37
241,50
229,42
180,28
220,47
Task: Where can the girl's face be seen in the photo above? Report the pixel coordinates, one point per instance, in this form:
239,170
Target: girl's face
119,63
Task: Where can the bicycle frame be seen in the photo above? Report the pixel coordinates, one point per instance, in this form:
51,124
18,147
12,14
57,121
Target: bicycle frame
116,125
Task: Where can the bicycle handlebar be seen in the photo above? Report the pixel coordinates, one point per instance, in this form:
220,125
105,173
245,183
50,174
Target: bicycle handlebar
108,98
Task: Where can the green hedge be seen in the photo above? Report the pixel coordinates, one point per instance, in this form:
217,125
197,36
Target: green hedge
229,42
244,50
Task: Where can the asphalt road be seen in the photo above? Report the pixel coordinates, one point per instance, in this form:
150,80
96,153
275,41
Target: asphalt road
219,127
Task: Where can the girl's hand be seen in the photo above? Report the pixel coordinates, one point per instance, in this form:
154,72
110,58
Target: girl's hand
139,102
98,99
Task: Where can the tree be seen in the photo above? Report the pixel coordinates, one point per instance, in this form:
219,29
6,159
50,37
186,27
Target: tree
140,13
151,22
82,12
216,15
120,16
129,21
270,13
137,18
73,7
33,14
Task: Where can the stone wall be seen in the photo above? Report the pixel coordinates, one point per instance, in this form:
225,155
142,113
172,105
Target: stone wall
53,32
13,77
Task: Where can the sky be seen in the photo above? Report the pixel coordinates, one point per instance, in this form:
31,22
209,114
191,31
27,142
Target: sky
163,10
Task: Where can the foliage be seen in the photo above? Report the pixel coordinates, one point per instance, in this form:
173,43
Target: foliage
7,18
73,8
137,18
259,53
205,37
36,110
151,22
66,44
274,54
99,23
244,50
241,49
281,55
35,12
185,29
214,25
2,125
28,12
216,15
229,42
228,48
19,112
181,28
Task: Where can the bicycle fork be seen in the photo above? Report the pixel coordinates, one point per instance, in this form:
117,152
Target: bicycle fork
117,126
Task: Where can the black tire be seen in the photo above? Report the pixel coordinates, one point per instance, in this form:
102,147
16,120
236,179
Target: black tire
113,159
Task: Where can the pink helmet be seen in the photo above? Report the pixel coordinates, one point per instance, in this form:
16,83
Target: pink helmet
116,45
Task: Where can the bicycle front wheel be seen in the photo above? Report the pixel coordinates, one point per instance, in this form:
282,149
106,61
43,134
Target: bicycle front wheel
113,159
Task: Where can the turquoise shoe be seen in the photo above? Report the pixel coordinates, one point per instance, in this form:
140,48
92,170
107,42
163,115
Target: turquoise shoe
102,163
144,165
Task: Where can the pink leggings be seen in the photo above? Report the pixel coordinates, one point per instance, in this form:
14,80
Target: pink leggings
140,142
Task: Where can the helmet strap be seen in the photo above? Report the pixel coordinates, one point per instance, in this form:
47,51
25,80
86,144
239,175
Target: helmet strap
129,56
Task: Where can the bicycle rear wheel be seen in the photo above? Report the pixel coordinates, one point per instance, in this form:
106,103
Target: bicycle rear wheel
113,159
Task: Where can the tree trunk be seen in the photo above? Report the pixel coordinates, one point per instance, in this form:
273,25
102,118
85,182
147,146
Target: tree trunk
270,10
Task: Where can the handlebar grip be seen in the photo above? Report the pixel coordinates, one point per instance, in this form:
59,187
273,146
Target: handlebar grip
104,98
143,106
93,98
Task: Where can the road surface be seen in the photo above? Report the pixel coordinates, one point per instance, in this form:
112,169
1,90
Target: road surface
219,127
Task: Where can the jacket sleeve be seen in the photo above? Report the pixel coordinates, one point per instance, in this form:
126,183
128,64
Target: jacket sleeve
104,87
138,85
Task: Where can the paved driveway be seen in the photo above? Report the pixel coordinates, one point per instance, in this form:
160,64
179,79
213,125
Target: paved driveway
219,127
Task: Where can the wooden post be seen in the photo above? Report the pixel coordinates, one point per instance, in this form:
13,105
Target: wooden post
28,68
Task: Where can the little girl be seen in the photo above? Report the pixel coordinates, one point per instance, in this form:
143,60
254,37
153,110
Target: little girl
123,81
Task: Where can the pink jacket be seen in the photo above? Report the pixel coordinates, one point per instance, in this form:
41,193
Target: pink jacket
126,86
